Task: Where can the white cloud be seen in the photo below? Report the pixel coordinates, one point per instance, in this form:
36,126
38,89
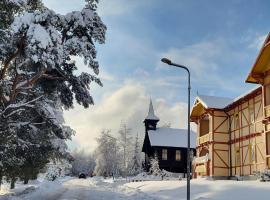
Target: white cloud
129,104
64,7
199,57
258,41
117,7
203,60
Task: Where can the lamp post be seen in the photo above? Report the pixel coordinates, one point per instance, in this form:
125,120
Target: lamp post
169,62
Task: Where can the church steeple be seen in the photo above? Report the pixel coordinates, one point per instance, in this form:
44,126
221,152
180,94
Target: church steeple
151,113
151,119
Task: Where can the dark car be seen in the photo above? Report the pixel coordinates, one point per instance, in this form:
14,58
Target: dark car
82,175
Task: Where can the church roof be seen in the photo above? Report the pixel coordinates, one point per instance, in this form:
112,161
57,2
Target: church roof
151,113
171,137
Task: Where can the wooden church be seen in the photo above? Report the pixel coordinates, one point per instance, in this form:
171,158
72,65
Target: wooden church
234,134
168,144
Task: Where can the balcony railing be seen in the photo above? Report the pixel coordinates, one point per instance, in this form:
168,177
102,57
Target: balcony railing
203,139
202,159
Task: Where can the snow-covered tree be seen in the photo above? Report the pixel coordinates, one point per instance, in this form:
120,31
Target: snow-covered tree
83,162
135,164
38,79
125,142
107,157
154,166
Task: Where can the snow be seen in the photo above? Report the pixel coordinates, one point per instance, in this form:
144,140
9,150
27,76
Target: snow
98,188
221,102
151,113
171,137
214,102
204,189
18,2
245,94
39,35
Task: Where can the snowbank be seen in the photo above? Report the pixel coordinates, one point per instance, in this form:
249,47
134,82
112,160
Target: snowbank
40,185
204,189
165,175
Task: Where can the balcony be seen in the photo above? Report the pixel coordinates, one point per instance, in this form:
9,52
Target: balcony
203,139
267,111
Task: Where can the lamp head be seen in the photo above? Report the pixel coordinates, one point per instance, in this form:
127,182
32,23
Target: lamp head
166,60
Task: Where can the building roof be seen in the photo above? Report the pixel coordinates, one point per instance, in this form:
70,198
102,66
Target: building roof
214,101
244,95
171,137
151,113
261,65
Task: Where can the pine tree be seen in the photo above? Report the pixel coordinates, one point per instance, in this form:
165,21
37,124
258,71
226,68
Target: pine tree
154,166
38,80
136,159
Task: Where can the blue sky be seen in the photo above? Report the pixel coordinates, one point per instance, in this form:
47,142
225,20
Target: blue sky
217,40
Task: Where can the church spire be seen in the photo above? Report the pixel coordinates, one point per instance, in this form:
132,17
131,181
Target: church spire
151,113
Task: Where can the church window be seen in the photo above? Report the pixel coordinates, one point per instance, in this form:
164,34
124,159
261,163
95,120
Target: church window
164,154
177,155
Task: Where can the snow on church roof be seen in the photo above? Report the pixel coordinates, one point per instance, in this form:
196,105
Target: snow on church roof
171,137
151,112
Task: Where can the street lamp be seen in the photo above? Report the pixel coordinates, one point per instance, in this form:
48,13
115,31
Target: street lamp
169,62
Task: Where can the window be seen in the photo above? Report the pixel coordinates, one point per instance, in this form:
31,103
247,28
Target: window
251,115
252,153
236,121
164,154
267,95
237,156
204,127
177,155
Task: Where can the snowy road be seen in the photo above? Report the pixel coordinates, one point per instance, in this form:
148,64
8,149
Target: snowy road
83,189
106,189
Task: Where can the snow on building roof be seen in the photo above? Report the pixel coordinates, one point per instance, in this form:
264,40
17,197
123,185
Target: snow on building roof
245,94
151,113
221,102
214,101
171,137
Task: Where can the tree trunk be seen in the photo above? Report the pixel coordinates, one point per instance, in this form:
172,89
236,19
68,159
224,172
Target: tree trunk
12,183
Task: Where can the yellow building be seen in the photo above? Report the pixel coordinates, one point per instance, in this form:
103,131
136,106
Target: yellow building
234,134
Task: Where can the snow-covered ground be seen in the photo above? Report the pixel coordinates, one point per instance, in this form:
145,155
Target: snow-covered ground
107,189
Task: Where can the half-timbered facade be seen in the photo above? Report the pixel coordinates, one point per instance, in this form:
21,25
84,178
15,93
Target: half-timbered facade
234,134
168,144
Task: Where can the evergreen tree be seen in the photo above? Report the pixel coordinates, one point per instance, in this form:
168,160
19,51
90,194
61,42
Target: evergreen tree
154,166
38,80
136,159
